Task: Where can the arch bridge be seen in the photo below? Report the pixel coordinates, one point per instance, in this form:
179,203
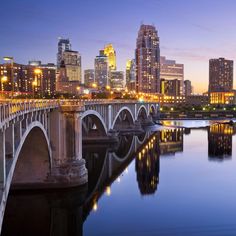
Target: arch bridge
41,140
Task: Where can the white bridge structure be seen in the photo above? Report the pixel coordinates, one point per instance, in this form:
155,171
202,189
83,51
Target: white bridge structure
41,140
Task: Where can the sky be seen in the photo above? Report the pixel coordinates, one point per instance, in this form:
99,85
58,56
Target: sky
190,31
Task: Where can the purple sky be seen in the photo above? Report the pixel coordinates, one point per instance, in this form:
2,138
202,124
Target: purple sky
190,31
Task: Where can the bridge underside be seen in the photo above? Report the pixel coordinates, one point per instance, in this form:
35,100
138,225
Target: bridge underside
33,164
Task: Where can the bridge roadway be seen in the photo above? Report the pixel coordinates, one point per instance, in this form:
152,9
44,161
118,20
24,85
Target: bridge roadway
41,140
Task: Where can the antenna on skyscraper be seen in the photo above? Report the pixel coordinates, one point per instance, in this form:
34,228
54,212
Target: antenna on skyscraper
141,23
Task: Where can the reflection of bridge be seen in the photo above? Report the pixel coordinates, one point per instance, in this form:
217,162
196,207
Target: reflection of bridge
41,141
105,164
65,211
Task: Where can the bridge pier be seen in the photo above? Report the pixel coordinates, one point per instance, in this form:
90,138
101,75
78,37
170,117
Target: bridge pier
68,167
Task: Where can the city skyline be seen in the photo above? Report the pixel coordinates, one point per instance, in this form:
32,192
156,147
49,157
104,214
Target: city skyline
190,32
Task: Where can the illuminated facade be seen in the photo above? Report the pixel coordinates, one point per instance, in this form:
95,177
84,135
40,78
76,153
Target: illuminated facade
110,52
63,85
222,98
130,75
171,87
173,73
147,56
24,76
220,75
101,70
117,80
89,77
72,62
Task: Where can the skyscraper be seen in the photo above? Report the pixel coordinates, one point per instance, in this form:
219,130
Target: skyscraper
187,88
101,70
130,74
110,52
89,78
172,71
117,80
147,55
63,45
72,62
171,87
220,75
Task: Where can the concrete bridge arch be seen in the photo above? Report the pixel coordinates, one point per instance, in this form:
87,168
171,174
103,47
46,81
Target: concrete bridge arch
124,111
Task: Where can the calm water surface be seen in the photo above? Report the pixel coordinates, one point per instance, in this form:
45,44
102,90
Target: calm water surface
171,182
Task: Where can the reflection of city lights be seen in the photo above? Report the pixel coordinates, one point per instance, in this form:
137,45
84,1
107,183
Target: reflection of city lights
118,179
140,156
108,190
95,206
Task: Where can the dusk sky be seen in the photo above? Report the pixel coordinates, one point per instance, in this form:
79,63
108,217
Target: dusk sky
190,31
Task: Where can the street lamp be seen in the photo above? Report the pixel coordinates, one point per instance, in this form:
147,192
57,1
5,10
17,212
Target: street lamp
94,85
11,59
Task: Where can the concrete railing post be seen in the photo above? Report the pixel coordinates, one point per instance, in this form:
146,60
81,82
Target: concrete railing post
109,116
2,159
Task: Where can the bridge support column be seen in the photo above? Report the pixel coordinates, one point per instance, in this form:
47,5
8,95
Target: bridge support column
17,133
109,116
69,166
9,141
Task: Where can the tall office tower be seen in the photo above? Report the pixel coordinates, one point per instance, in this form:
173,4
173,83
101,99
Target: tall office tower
72,62
101,70
89,78
220,75
171,87
147,55
187,87
172,71
110,52
63,45
130,74
117,80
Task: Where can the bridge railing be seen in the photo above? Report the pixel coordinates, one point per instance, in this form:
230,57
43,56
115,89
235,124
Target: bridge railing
8,108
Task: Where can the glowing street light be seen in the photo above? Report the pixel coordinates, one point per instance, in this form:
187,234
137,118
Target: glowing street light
108,87
4,79
94,85
37,71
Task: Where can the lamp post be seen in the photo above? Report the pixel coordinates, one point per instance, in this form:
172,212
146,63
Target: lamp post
11,59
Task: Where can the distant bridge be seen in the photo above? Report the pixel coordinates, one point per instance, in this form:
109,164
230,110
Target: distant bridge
41,140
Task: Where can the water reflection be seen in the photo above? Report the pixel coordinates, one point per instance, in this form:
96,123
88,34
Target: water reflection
147,165
40,213
65,212
171,141
220,141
